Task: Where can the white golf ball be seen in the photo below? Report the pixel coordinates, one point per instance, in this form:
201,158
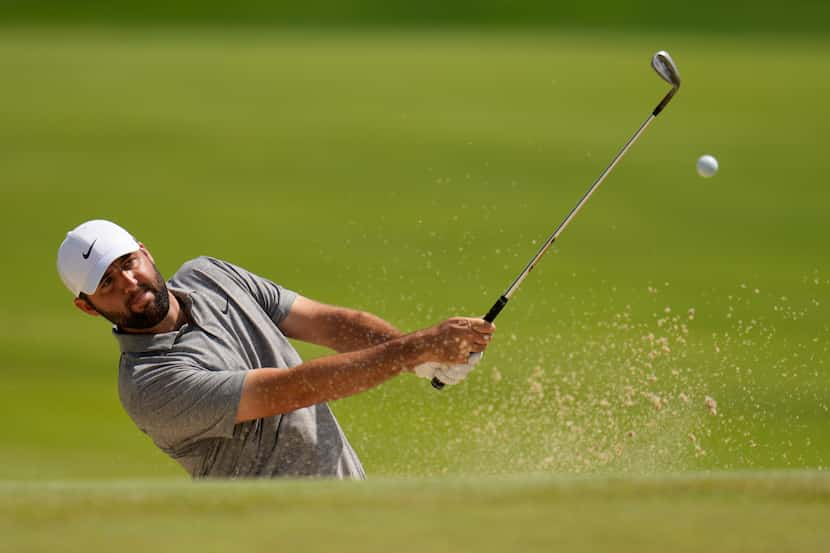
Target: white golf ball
707,166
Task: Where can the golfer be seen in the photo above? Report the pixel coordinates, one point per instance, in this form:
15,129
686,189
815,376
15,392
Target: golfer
207,370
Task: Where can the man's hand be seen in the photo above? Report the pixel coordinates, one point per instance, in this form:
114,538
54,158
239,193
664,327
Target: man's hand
453,341
427,370
448,374
453,374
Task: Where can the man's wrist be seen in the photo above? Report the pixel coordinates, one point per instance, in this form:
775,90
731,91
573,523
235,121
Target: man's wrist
415,351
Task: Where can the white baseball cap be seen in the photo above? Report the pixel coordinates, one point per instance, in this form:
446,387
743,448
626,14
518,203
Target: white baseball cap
88,250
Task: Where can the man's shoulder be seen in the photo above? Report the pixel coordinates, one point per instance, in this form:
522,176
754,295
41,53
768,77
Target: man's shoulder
201,263
199,268
209,273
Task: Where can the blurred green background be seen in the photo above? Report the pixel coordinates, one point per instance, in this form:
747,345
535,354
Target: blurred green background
704,15
409,161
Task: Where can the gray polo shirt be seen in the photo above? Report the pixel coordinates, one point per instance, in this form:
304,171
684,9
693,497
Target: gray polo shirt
182,388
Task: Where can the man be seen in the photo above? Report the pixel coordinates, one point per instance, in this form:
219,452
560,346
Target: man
207,371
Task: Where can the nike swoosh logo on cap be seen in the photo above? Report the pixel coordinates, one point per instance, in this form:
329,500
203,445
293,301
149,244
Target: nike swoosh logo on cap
89,251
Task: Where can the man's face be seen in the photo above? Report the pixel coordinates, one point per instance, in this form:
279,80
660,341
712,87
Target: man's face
132,293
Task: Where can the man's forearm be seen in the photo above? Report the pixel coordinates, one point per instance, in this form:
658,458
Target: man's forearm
337,328
345,330
271,391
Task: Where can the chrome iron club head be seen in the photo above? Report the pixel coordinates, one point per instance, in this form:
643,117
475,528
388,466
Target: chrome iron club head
665,67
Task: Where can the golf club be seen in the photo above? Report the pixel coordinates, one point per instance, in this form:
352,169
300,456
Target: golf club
665,67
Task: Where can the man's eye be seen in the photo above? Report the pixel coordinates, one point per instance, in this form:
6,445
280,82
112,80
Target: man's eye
106,282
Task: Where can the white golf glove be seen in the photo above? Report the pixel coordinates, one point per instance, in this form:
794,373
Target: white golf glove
427,370
448,374
453,374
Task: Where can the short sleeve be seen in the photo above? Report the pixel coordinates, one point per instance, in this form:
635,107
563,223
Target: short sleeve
274,299
178,404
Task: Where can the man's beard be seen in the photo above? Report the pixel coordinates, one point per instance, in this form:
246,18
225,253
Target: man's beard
153,313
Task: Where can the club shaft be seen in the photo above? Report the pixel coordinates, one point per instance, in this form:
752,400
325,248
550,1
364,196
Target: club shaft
552,238
504,298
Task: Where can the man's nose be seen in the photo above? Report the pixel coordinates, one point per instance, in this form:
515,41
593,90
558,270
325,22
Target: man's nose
127,280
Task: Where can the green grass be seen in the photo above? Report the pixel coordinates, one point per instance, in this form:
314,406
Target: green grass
735,512
413,174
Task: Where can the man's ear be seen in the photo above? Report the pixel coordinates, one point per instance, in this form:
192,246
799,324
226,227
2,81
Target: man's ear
86,307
